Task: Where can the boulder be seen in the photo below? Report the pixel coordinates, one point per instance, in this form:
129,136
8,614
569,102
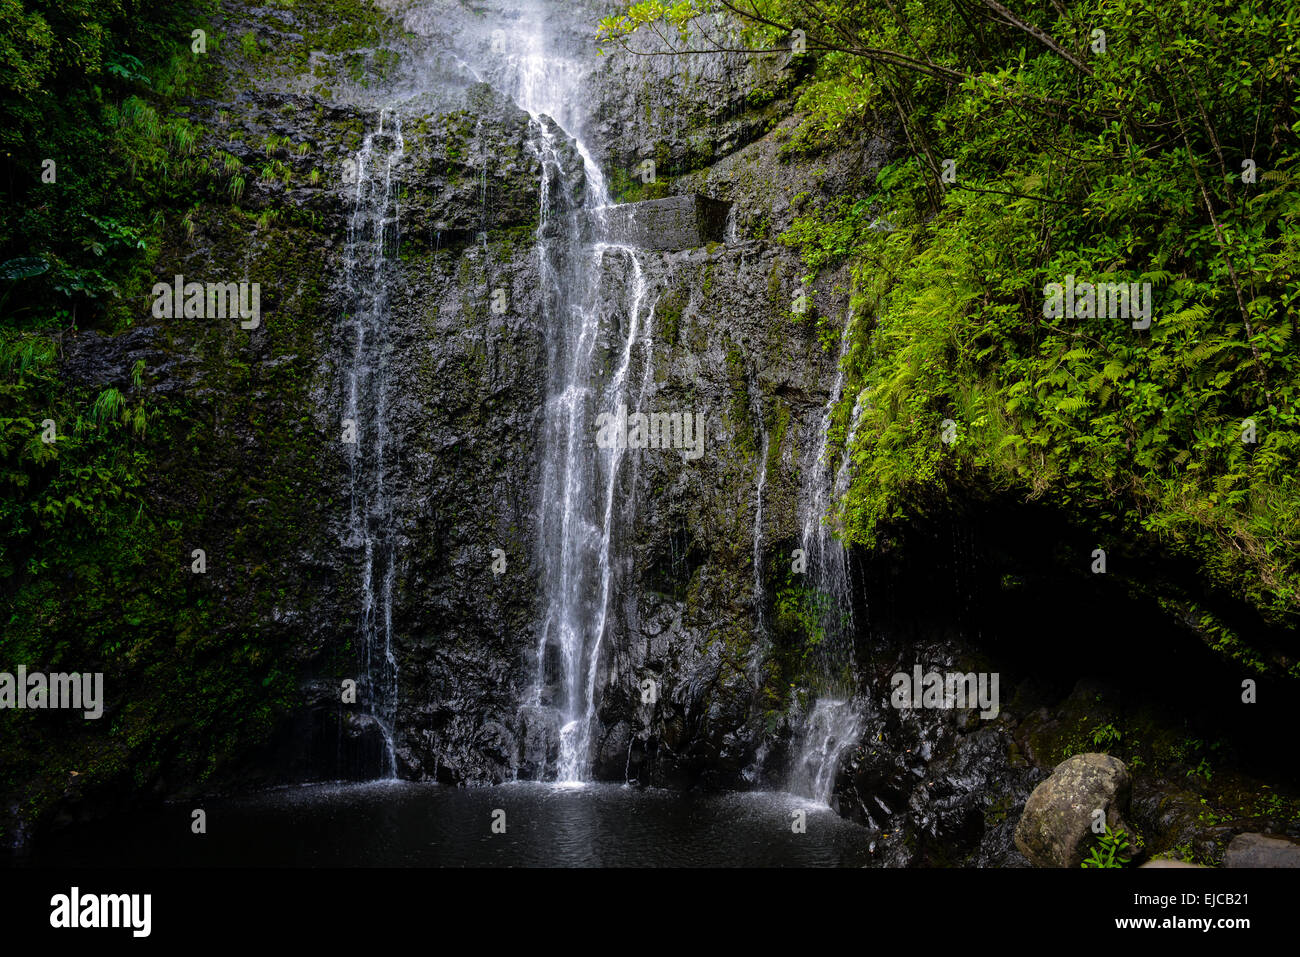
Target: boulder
1055,829
1262,850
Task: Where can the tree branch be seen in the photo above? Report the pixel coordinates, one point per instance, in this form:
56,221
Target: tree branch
1010,18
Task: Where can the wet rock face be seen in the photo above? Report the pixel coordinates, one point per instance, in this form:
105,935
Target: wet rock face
462,486
468,392
935,786
471,172
671,224
468,387
103,361
1057,826
721,345
686,112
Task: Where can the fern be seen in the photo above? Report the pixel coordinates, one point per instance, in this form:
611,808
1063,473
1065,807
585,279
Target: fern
1105,852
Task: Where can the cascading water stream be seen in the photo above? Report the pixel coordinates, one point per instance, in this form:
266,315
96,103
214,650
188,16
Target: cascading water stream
832,728
575,740
579,488
827,558
372,240
834,722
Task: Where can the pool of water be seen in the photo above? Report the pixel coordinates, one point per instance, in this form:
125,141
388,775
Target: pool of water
405,824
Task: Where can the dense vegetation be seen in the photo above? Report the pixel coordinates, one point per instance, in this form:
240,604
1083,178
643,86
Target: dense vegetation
1108,141
101,487
86,86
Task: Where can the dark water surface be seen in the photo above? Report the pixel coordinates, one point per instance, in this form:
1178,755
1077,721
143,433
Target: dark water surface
399,823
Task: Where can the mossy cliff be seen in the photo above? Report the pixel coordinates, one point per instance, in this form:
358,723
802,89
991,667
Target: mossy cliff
184,434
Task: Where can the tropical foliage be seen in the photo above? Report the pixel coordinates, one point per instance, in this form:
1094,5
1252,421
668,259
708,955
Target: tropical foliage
1104,140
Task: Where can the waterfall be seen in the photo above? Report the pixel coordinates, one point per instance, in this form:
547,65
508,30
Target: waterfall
844,474
832,728
828,573
834,722
372,240
581,637
759,486
579,517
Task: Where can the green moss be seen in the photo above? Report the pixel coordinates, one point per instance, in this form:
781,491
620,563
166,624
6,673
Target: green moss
998,810
740,416
342,25
249,46
778,426
668,312
194,676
